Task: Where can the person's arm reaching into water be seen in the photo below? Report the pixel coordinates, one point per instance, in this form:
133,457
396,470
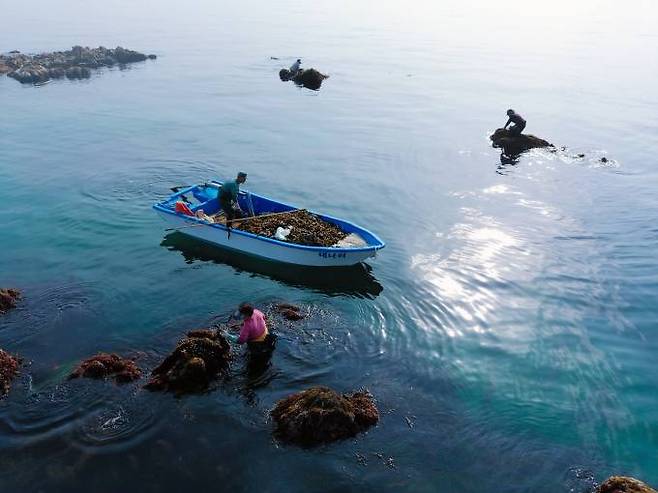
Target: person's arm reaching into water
509,120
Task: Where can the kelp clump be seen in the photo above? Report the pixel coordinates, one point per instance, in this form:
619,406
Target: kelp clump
305,228
515,144
289,312
624,484
320,415
8,370
197,360
8,299
104,365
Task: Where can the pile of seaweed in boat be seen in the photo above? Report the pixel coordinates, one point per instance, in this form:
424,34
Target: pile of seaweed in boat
305,228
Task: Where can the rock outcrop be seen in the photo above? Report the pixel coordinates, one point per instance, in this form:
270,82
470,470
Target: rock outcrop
624,484
197,360
8,370
8,299
76,63
309,78
320,415
105,365
513,145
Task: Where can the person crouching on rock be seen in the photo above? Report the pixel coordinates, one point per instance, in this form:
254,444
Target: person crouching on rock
228,196
294,68
517,120
254,329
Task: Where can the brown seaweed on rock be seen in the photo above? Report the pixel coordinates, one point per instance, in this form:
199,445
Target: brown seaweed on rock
289,312
320,415
8,299
309,78
104,365
624,484
513,145
306,228
197,360
8,370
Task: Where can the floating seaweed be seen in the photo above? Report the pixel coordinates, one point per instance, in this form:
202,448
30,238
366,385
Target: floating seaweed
624,484
8,370
8,299
320,415
289,312
104,365
197,360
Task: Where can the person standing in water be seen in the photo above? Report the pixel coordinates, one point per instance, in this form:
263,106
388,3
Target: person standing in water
517,120
294,68
228,196
254,329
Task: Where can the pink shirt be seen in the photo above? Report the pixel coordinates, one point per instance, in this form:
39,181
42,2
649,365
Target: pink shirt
253,328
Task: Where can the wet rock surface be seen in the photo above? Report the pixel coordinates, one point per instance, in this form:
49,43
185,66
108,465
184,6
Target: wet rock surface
624,484
197,360
309,78
513,145
306,228
320,415
75,63
104,365
8,299
8,370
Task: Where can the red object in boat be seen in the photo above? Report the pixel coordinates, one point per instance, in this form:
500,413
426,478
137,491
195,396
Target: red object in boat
183,208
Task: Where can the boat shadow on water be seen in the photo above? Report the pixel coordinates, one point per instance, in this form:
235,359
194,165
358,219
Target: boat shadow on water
356,280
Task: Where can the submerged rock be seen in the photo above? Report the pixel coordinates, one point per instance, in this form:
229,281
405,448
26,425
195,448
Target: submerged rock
8,299
289,312
320,415
8,370
197,360
624,484
105,365
309,78
513,145
74,64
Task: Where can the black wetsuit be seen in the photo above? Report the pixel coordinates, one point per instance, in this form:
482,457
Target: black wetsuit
519,124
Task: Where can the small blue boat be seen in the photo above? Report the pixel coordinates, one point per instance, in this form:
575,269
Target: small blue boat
262,246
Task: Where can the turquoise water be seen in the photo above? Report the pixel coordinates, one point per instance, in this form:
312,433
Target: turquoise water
508,330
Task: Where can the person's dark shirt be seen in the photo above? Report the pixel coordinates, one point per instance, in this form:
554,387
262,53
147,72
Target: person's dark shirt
516,119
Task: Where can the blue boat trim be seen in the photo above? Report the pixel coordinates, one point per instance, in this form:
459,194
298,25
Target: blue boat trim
379,244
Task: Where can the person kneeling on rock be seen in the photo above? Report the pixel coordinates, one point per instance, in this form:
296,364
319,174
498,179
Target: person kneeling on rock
517,120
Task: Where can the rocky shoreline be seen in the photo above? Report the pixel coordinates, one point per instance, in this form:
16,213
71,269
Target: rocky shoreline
76,63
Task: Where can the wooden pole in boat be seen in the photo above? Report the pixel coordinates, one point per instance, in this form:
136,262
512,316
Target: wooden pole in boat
241,220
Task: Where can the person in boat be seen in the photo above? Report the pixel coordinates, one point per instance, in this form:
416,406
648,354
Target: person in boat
228,198
517,120
294,68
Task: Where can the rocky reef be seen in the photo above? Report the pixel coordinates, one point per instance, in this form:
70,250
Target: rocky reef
76,63
309,78
624,484
289,312
197,360
513,145
8,299
320,415
105,365
8,370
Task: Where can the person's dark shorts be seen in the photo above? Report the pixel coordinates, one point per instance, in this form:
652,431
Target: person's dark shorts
264,347
226,204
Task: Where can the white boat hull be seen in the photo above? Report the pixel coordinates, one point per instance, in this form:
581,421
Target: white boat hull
274,250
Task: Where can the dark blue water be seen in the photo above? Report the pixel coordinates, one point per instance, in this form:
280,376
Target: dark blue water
508,330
